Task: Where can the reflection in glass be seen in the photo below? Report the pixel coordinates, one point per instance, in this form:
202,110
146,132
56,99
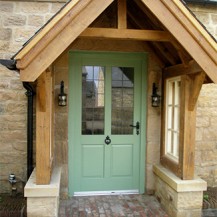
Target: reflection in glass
93,100
122,100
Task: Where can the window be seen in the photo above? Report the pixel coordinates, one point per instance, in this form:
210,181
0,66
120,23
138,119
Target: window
178,124
172,122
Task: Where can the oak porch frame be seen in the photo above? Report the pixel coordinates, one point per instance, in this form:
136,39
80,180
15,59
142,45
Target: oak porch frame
192,79
73,22
44,128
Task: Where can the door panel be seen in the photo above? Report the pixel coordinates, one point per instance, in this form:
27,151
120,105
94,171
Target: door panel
122,160
92,161
105,102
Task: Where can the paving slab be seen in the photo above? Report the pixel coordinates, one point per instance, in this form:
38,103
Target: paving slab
112,206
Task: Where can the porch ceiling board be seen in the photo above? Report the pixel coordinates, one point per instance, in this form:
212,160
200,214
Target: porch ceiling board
190,34
49,47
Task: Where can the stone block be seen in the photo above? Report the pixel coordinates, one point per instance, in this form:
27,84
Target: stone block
16,107
61,152
211,8
4,83
150,179
43,200
209,134
206,145
15,84
208,111
180,198
203,17
153,130
214,19
203,121
35,20
199,134
12,158
213,122
34,8
48,17
209,155
153,153
207,101
189,213
9,95
22,35
4,45
14,20
189,200
15,135
43,207
55,7
5,33
6,7
64,181
210,29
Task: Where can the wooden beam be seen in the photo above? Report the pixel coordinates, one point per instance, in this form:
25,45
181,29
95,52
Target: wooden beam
182,69
122,14
43,128
127,34
187,131
182,26
85,16
197,82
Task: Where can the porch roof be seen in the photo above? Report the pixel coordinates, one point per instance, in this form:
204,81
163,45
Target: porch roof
171,30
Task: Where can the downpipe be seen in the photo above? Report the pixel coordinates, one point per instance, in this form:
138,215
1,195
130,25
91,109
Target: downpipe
29,93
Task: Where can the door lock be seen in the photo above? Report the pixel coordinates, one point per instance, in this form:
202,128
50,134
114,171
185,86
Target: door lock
137,126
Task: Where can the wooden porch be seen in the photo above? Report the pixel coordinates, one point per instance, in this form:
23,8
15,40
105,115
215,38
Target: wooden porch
183,51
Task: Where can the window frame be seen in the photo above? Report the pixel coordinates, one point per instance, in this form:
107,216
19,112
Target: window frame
167,161
173,104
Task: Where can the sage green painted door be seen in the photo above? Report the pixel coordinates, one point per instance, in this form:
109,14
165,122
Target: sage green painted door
105,123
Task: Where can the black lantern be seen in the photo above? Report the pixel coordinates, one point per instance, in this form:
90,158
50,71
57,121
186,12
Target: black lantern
62,99
155,97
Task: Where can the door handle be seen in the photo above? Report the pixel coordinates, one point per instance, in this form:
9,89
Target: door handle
137,126
107,140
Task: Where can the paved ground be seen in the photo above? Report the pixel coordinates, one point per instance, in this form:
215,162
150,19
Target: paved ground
112,206
117,206
209,213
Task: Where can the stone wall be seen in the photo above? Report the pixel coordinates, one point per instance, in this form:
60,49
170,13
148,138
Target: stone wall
207,15
206,136
18,22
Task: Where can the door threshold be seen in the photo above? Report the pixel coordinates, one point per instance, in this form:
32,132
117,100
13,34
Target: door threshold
98,193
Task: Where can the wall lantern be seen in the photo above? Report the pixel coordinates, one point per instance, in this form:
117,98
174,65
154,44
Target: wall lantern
62,99
155,97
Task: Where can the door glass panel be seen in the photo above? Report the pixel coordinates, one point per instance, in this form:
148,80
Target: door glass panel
93,100
122,100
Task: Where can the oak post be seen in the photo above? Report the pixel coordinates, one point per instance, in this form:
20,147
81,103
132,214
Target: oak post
187,128
43,128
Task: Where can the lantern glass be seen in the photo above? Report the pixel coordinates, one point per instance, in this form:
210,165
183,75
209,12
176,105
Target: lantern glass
156,101
62,98
155,97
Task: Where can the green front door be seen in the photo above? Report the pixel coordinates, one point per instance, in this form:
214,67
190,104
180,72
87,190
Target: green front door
106,125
